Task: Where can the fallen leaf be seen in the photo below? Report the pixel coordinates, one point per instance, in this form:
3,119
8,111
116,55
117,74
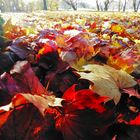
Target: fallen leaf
107,81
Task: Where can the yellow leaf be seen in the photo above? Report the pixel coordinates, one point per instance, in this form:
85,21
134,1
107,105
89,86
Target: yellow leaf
8,26
119,63
81,21
60,40
78,64
137,41
41,51
116,44
117,29
107,80
106,36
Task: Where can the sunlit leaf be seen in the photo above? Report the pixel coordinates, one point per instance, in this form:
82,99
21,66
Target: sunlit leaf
117,29
107,81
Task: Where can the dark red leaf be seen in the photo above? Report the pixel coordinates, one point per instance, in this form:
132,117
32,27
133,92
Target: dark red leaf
135,121
26,79
22,123
83,115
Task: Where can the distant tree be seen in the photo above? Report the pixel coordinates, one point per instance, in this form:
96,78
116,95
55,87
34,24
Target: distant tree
103,5
97,5
72,3
136,4
107,4
44,5
124,5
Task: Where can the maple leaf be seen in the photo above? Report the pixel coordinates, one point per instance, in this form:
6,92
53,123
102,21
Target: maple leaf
25,77
107,80
21,79
117,29
11,86
80,45
53,70
84,99
120,63
4,116
79,63
8,26
48,34
12,31
135,121
19,103
42,103
79,109
18,106
46,46
21,122
22,47
128,107
61,40
64,73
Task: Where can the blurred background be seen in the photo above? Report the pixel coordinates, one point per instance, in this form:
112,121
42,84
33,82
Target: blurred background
52,5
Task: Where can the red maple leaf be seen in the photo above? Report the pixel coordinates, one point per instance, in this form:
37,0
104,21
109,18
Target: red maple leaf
83,115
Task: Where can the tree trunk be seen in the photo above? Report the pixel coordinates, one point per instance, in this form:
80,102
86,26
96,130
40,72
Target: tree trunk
136,5
44,5
74,4
106,5
97,4
119,6
74,7
124,6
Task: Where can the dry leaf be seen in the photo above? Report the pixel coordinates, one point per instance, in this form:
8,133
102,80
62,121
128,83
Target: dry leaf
107,80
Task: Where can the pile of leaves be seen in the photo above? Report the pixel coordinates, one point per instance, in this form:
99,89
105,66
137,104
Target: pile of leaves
78,78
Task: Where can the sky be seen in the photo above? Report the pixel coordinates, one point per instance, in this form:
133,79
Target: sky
87,1
90,2
93,2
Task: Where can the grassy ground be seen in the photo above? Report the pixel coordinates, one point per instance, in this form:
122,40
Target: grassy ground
56,14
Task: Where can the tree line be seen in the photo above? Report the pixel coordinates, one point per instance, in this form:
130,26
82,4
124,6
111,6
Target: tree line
121,5
33,5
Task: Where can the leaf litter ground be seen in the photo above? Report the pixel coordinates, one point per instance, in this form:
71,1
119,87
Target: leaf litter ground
70,76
